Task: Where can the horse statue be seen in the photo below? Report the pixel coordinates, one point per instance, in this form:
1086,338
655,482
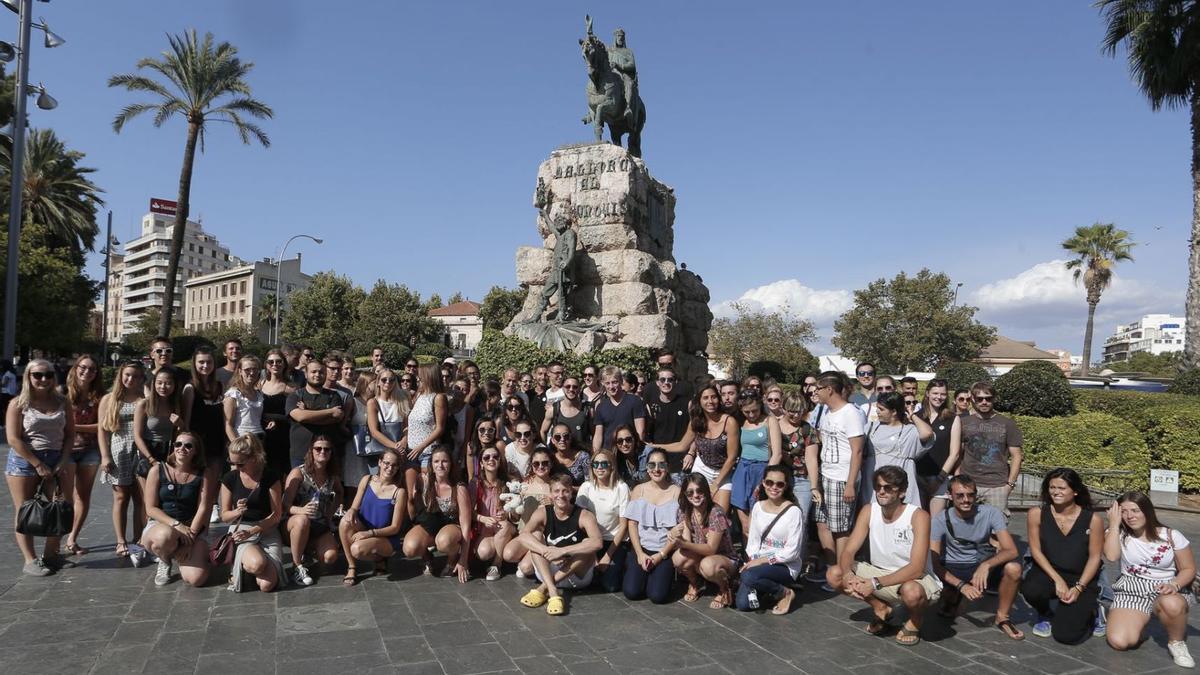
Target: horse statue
606,98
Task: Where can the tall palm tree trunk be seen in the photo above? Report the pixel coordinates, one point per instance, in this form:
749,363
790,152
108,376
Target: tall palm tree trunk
1087,339
1191,347
181,216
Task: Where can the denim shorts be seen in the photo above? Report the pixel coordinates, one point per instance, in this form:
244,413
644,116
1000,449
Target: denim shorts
87,456
18,466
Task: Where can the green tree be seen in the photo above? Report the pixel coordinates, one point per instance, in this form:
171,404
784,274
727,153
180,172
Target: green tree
910,323
55,298
757,335
457,297
391,314
56,193
1162,40
1158,365
500,305
205,82
323,314
1097,249
434,302
145,329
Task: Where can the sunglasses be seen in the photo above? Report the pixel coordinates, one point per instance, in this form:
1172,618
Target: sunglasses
275,362
865,373
406,380
512,407
185,445
589,374
774,400
601,465
773,484
543,464
250,371
570,387
410,365
557,372
653,466
909,402
885,389
562,437
85,369
625,439
487,430
665,380
162,350
490,458
387,464
984,399
309,355
41,375
962,399
963,495
322,449
695,493
890,489
524,434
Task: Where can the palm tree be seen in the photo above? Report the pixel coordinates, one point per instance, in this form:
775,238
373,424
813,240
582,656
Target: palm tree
266,313
205,83
57,194
1097,249
1163,42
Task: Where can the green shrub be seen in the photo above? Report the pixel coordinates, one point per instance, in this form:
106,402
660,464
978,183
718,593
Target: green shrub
497,351
1088,440
1035,392
435,349
1174,443
185,346
963,375
1187,382
1041,367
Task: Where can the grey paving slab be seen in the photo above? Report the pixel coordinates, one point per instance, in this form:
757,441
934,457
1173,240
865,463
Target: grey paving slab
104,616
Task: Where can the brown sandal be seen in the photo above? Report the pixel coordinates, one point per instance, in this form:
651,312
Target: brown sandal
693,593
908,636
1009,629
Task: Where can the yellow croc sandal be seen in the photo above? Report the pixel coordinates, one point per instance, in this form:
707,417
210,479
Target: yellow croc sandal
556,607
534,598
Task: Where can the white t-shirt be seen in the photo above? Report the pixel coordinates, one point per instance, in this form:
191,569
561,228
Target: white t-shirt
517,460
606,504
837,428
249,411
1151,560
555,395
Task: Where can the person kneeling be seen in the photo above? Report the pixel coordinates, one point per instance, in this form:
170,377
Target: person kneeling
179,494
964,559
562,540
900,571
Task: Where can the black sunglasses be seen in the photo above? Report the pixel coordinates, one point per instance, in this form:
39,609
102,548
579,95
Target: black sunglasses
185,445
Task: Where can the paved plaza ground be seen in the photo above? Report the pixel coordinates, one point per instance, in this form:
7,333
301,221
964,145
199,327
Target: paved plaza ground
106,617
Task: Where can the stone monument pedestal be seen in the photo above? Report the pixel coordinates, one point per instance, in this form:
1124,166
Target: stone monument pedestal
624,280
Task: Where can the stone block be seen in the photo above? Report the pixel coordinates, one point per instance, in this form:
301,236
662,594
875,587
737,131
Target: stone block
694,315
690,286
694,340
649,330
607,238
533,265
590,302
614,267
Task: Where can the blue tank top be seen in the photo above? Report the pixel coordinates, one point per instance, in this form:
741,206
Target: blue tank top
376,513
756,444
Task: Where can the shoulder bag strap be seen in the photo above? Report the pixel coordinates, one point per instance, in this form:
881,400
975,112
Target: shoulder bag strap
773,521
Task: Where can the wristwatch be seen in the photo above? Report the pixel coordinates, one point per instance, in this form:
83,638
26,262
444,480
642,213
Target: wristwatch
1012,483
174,524
875,583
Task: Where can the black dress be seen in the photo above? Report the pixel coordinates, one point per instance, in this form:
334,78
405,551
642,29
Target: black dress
1068,555
208,421
277,444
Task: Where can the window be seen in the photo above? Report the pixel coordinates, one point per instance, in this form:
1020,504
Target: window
242,306
191,247
242,288
201,251
223,308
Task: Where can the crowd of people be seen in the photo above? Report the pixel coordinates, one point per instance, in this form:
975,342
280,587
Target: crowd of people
643,484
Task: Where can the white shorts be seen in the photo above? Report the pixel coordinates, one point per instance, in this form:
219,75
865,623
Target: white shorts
571,581
710,475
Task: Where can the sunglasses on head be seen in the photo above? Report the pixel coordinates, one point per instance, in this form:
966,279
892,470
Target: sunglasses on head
184,445
309,355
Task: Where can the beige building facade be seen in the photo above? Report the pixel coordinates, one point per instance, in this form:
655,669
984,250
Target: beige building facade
244,294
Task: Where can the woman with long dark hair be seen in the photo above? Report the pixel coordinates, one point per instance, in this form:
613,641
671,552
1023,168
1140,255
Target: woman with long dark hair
652,511
774,544
515,412
1157,569
443,518
370,529
762,446
1065,541
204,398
84,389
703,547
312,491
276,387
934,467
894,439
492,530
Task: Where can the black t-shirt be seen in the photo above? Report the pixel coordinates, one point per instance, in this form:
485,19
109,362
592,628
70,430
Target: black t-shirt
612,416
258,499
666,423
301,434
537,406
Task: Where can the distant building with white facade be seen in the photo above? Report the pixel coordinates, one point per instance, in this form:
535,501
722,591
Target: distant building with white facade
244,294
1004,353
1153,333
463,325
139,277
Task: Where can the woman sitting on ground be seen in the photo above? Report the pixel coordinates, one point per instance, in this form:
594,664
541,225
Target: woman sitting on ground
492,528
703,547
606,496
252,502
370,528
312,492
443,517
534,494
179,494
1157,569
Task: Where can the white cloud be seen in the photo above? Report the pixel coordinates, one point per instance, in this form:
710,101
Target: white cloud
793,298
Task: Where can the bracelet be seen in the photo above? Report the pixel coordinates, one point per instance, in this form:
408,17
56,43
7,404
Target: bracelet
960,585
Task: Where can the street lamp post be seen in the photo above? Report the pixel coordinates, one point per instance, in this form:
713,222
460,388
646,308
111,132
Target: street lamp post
956,287
108,246
278,275
24,10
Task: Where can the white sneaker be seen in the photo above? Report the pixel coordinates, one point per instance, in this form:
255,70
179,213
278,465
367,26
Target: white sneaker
520,574
216,515
137,555
1179,652
493,573
162,577
301,575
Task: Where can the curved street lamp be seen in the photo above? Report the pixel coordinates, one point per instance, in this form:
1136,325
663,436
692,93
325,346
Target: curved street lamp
278,274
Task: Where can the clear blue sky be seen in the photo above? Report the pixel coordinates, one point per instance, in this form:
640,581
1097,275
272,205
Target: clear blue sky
830,143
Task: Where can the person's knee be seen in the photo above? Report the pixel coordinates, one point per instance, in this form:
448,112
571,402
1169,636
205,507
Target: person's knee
835,577
298,524
1171,605
447,541
912,594
412,548
329,556
1119,640
1012,570
194,576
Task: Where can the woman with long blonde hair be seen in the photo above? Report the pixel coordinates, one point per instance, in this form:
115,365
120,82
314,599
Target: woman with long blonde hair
84,389
118,451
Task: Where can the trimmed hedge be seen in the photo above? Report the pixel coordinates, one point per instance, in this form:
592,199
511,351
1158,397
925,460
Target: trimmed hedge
497,351
1187,382
1034,391
963,375
1088,440
1167,423
438,351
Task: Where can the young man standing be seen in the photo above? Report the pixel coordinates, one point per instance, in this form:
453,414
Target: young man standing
908,385
562,540
377,363
614,409
557,372
666,359
865,393
964,559
729,394
884,384
667,417
314,409
842,442
991,448
900,571
233,354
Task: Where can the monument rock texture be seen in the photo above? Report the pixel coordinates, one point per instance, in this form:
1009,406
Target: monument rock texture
624,276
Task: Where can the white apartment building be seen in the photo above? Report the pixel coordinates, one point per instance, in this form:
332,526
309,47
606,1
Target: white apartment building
1153,333
139,279
462,325
112,330
243,294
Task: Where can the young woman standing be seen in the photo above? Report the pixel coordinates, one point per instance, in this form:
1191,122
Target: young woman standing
802,444
703,547
204,398
934,467
386,414
244,402
275,389
443,518
716,444
41,430
895,439
762,445
571,411
119,452
426,424
178,494
84,390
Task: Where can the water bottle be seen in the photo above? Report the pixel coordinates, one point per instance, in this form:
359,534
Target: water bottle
752,598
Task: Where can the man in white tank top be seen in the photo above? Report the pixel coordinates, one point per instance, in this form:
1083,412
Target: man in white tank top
900,571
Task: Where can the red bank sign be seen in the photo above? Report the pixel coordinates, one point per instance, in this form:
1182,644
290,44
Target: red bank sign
163,206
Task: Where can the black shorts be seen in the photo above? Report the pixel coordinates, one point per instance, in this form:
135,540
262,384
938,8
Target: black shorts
966,572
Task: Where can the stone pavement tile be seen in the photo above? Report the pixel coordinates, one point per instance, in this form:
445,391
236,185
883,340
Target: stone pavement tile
395,620
589,602
674,615
50,632
520,643
187,616
1055,664
542,624
589,668
295,596
360,663
245,663
819,664
324,618
472,659
409,649
863,649
1096,652
175,653
422,668
63,596
753,661
904,663
710,638
457,634
122,660
68,658
494,614
620,630
540,665
348,643
570,649
440,607
80,613
230,605
249,634
31,590
131,633
665,656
